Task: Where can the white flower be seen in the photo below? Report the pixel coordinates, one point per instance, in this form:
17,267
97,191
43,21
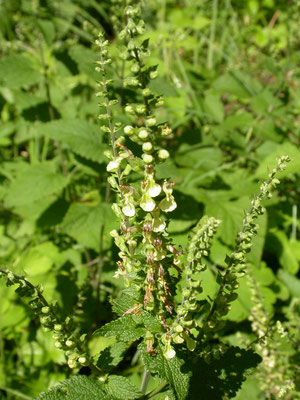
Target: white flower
116,210
169,352
113,166
147,203
129,210
153,189
158,224
168,204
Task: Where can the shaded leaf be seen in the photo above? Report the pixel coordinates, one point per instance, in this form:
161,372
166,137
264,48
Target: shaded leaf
17,71
223,377
79,136
111,356
78,387
124,328
169,370
83,223
121,388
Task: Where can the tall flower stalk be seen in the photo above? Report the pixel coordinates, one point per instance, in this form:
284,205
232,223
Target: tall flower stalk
143,205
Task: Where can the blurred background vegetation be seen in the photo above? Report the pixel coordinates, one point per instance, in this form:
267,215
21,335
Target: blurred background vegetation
229,73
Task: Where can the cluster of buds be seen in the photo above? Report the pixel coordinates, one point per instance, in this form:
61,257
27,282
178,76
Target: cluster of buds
62,332
236,263
275,373
199,247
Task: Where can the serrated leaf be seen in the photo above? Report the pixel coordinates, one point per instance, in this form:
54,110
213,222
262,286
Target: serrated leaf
228,83
85,58
112,355
150,322
231,213
34,189
277,242
78,387
79,136
169,370
83,222
127,300
121,388
35,182
124,328
17,71
270,161
221,378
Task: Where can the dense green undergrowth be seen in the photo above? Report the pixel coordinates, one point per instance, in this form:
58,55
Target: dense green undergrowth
228,78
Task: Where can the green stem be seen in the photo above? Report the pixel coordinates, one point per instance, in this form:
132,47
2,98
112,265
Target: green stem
236,249
16,393
66,330
212,34
145,381
154,392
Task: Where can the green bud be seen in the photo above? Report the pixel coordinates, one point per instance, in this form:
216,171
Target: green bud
58,327
146,92
147,147
131,45
143,134
177,339
132,82
82,360
141,109
178,329
153,74
123,34
147,158
45,310
186,292
151,121
166,131
163,154
135,68
72,363
129,109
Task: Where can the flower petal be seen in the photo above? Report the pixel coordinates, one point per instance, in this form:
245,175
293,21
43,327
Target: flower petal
147,203
168,204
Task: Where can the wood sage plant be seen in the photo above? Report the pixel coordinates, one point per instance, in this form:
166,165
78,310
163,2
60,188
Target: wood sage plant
178,334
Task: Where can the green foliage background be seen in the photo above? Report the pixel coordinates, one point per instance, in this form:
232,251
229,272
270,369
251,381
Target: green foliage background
229,76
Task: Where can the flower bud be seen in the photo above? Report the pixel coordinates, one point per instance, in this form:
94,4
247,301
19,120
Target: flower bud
163,154
146,92
135,68
151,121
166,131
143,134
147,147
82,360
72,363
129,130
147,158
113,166
153,74
129,109
141,109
